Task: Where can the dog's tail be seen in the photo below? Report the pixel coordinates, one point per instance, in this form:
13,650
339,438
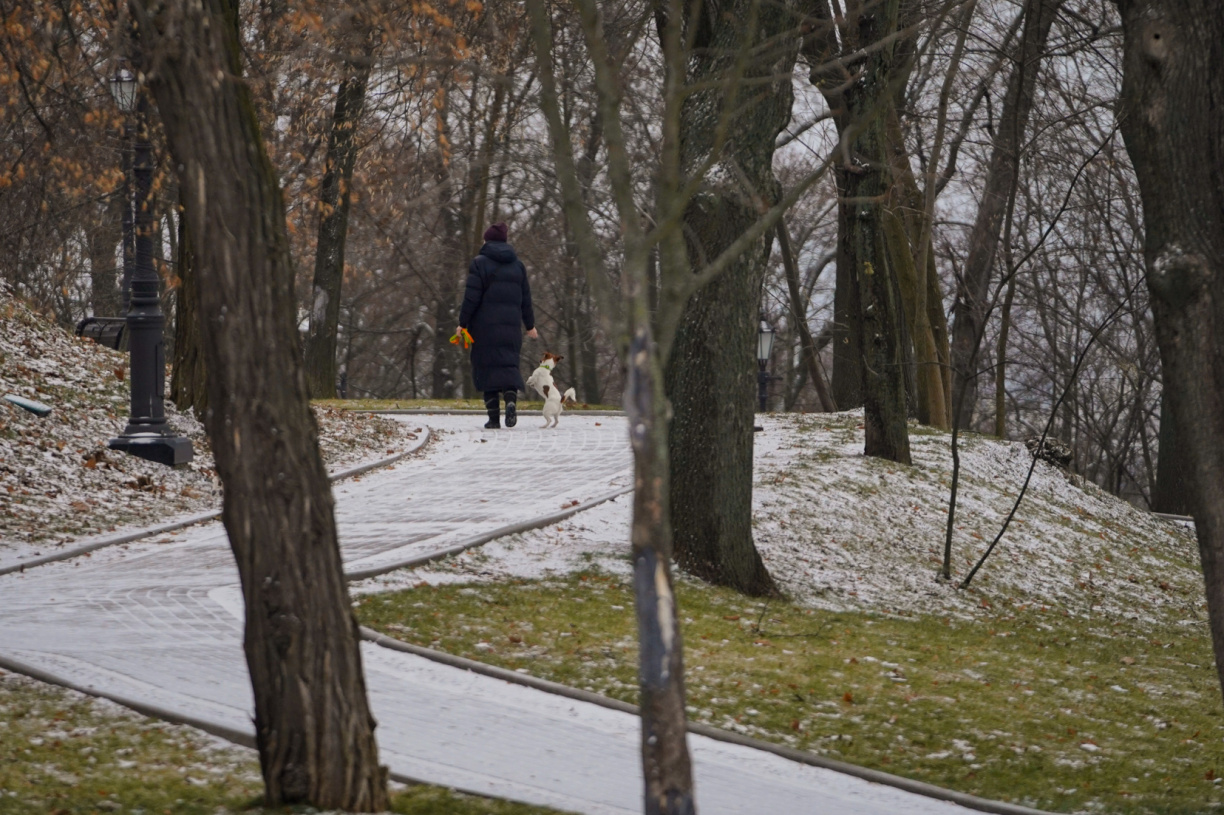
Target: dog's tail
569,396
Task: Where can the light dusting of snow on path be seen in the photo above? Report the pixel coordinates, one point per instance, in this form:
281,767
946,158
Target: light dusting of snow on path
160,621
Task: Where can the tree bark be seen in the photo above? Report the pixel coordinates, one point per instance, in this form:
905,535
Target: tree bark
1000,411
921,295
188,373
860,92
711,373
320,351
811,356
847,385
972,292
313,726
1172,117
101,242
665,758
666,766
1172,491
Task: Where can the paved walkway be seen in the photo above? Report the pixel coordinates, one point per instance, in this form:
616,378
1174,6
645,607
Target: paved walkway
160,621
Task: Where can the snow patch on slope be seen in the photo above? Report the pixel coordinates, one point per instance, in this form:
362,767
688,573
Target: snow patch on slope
839,530
59,482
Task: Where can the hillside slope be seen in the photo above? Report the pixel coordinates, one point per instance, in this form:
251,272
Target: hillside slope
841,529
58,481
838,530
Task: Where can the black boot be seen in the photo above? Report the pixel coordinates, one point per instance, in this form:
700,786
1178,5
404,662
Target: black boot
511,398
494,422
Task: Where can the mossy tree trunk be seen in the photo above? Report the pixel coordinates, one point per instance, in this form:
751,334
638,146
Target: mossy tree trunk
921,294
313,727
860,90
1172,117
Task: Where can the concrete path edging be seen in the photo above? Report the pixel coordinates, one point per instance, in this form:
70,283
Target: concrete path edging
230,734
111,540
486,537
191,520
154,711
718,734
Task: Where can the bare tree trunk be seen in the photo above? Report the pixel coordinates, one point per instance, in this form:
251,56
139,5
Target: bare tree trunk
666,766
665,757
188,373
811,357
320,351
101,242
582,348
1172,117
313,725
711,373
847,383
1000,422
922,299
860,92
588,348
972,295
1172,491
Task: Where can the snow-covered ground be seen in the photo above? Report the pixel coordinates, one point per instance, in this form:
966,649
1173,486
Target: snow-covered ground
839,530
160,622
59,483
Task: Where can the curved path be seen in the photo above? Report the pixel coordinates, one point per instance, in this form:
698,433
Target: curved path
160,622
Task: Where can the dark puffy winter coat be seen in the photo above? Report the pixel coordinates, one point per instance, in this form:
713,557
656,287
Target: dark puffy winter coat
496,306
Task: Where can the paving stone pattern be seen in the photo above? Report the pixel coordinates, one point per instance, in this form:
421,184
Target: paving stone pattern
159,621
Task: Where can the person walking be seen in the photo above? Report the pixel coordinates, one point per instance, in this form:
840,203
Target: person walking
496,305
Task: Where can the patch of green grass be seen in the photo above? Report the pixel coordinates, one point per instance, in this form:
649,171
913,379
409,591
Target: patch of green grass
63,754
438,404
426,800
1027,705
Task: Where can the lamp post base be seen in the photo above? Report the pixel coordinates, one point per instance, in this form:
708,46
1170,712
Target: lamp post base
168,450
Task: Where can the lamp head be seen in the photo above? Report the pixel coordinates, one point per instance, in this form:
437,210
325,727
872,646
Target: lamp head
123,87
765,341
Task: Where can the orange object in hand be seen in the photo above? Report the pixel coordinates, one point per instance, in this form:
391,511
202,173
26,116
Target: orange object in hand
464,336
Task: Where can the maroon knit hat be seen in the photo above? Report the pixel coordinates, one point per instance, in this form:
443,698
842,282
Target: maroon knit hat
496,233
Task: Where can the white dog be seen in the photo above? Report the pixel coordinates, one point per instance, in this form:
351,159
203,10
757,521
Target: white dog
541,379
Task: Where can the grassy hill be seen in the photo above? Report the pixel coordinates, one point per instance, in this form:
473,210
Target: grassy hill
1075,675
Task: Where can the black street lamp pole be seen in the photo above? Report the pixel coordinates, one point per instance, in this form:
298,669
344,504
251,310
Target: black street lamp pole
129,224
765,341
147,434
763,387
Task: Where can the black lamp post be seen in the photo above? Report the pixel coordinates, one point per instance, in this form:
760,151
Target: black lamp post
147,434
123,88
765,342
